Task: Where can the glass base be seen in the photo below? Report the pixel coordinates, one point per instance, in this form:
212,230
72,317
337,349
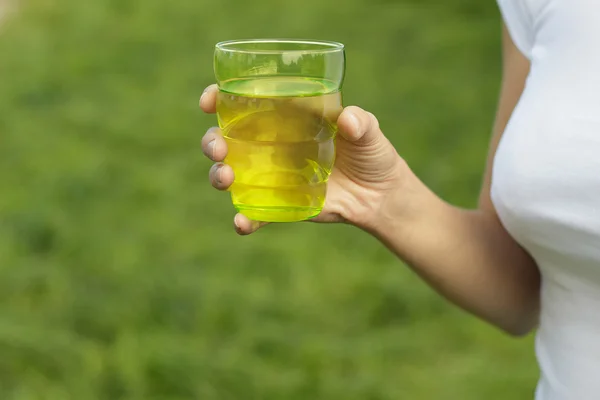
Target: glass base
278,214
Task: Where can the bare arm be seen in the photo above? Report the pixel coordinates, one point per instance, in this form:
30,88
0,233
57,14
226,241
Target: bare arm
467,255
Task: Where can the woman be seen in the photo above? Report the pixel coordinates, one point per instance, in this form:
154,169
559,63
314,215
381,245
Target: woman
529,255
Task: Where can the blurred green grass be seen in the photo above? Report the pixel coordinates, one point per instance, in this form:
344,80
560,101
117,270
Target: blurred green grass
120,274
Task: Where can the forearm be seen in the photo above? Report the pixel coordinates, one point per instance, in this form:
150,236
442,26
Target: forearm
466,255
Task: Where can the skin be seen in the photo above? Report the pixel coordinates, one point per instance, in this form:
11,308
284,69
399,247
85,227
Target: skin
466,255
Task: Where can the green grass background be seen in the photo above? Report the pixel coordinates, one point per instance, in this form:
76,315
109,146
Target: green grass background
120,274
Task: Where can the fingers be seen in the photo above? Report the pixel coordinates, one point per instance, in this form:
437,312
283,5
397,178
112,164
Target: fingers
213,145
358,126
215,148
221,176
245,226
208,99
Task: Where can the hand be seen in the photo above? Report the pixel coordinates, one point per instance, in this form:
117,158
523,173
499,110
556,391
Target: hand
367,170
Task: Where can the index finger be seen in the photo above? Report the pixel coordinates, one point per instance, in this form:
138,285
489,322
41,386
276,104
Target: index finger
208,99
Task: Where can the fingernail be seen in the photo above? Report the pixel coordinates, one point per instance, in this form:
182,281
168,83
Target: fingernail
211,148
354,122
235,222
219,175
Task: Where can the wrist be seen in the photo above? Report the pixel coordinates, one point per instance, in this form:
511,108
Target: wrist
402,208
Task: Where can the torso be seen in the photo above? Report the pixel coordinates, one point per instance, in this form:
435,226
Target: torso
546,185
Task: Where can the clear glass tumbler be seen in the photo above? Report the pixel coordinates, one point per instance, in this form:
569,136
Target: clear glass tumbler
277,107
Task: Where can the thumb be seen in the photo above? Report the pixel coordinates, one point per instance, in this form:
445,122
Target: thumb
358,126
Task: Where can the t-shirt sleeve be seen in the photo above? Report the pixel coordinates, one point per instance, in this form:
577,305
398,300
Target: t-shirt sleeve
519,23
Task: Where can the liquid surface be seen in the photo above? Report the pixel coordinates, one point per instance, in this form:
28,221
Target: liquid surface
280,134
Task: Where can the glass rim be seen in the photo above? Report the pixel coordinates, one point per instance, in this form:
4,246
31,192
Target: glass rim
327,46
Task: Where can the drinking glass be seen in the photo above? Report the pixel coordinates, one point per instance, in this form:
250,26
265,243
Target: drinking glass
277,107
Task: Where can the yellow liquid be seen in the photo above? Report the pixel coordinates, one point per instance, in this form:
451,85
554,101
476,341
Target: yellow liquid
280,133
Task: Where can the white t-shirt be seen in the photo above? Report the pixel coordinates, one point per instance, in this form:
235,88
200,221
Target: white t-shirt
546,184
